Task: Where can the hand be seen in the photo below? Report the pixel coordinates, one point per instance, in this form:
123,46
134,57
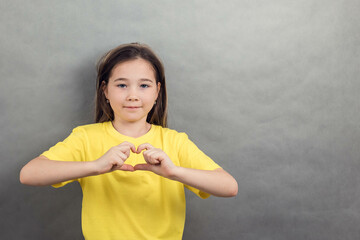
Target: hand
114,159
157,161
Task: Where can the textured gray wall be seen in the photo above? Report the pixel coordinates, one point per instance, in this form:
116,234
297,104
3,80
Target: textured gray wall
269,89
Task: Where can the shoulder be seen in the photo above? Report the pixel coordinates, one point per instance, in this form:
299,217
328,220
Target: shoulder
168,131
89,129
170,134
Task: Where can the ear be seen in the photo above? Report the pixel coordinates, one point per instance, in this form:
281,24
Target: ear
158,89
104,89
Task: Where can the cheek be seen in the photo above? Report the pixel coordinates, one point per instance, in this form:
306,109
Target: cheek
116,101
115,94
152,97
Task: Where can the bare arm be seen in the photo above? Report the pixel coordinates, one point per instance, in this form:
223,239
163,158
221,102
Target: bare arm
216,182
42,172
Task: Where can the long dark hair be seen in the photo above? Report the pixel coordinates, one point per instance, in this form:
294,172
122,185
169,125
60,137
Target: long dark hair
123,53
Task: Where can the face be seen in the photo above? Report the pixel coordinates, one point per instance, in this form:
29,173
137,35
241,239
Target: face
132,90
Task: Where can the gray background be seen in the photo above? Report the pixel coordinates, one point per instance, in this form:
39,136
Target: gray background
269,89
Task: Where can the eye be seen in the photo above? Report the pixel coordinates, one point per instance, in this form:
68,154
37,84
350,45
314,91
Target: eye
121,85
144,85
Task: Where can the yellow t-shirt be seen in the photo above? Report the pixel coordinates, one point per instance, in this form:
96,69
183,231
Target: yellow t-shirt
131,205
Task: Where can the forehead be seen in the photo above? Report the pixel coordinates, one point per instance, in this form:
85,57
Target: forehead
137,68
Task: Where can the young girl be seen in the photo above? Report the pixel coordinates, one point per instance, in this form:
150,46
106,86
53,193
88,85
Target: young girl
131,168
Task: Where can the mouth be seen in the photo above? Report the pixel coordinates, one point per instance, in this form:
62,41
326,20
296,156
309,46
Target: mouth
132,107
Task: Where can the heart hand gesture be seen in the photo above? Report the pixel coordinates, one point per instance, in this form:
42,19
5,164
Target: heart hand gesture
157,161
114,158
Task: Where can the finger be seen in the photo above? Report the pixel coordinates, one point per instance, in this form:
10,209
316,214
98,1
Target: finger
144,146
126,167
123,149
151,156
123,156
133,148
158,157
143,167
128,144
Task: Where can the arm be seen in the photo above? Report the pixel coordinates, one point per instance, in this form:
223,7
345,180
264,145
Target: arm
42,172
216,182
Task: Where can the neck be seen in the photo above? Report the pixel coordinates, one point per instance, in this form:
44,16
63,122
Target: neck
131,129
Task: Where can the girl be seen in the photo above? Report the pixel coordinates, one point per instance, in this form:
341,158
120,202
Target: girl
131,168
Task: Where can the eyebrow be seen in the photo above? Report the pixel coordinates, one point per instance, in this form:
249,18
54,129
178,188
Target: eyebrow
141,79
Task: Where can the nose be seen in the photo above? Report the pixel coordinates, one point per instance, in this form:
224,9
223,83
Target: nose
132,95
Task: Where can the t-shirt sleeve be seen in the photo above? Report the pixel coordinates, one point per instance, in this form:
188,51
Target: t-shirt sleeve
190,156
71,149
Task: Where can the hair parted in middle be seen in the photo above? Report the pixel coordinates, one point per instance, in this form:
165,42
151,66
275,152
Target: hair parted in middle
120,54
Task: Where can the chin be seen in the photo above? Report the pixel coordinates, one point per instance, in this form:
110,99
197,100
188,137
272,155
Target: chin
132,119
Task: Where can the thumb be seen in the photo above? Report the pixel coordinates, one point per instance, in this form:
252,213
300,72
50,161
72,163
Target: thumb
143,166
125,167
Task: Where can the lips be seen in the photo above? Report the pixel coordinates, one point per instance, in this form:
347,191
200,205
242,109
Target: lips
132,107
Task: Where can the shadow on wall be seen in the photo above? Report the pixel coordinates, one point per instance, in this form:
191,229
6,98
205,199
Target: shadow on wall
46,212
84,90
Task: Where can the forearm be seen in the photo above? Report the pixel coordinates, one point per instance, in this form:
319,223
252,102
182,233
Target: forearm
217,182
42,171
